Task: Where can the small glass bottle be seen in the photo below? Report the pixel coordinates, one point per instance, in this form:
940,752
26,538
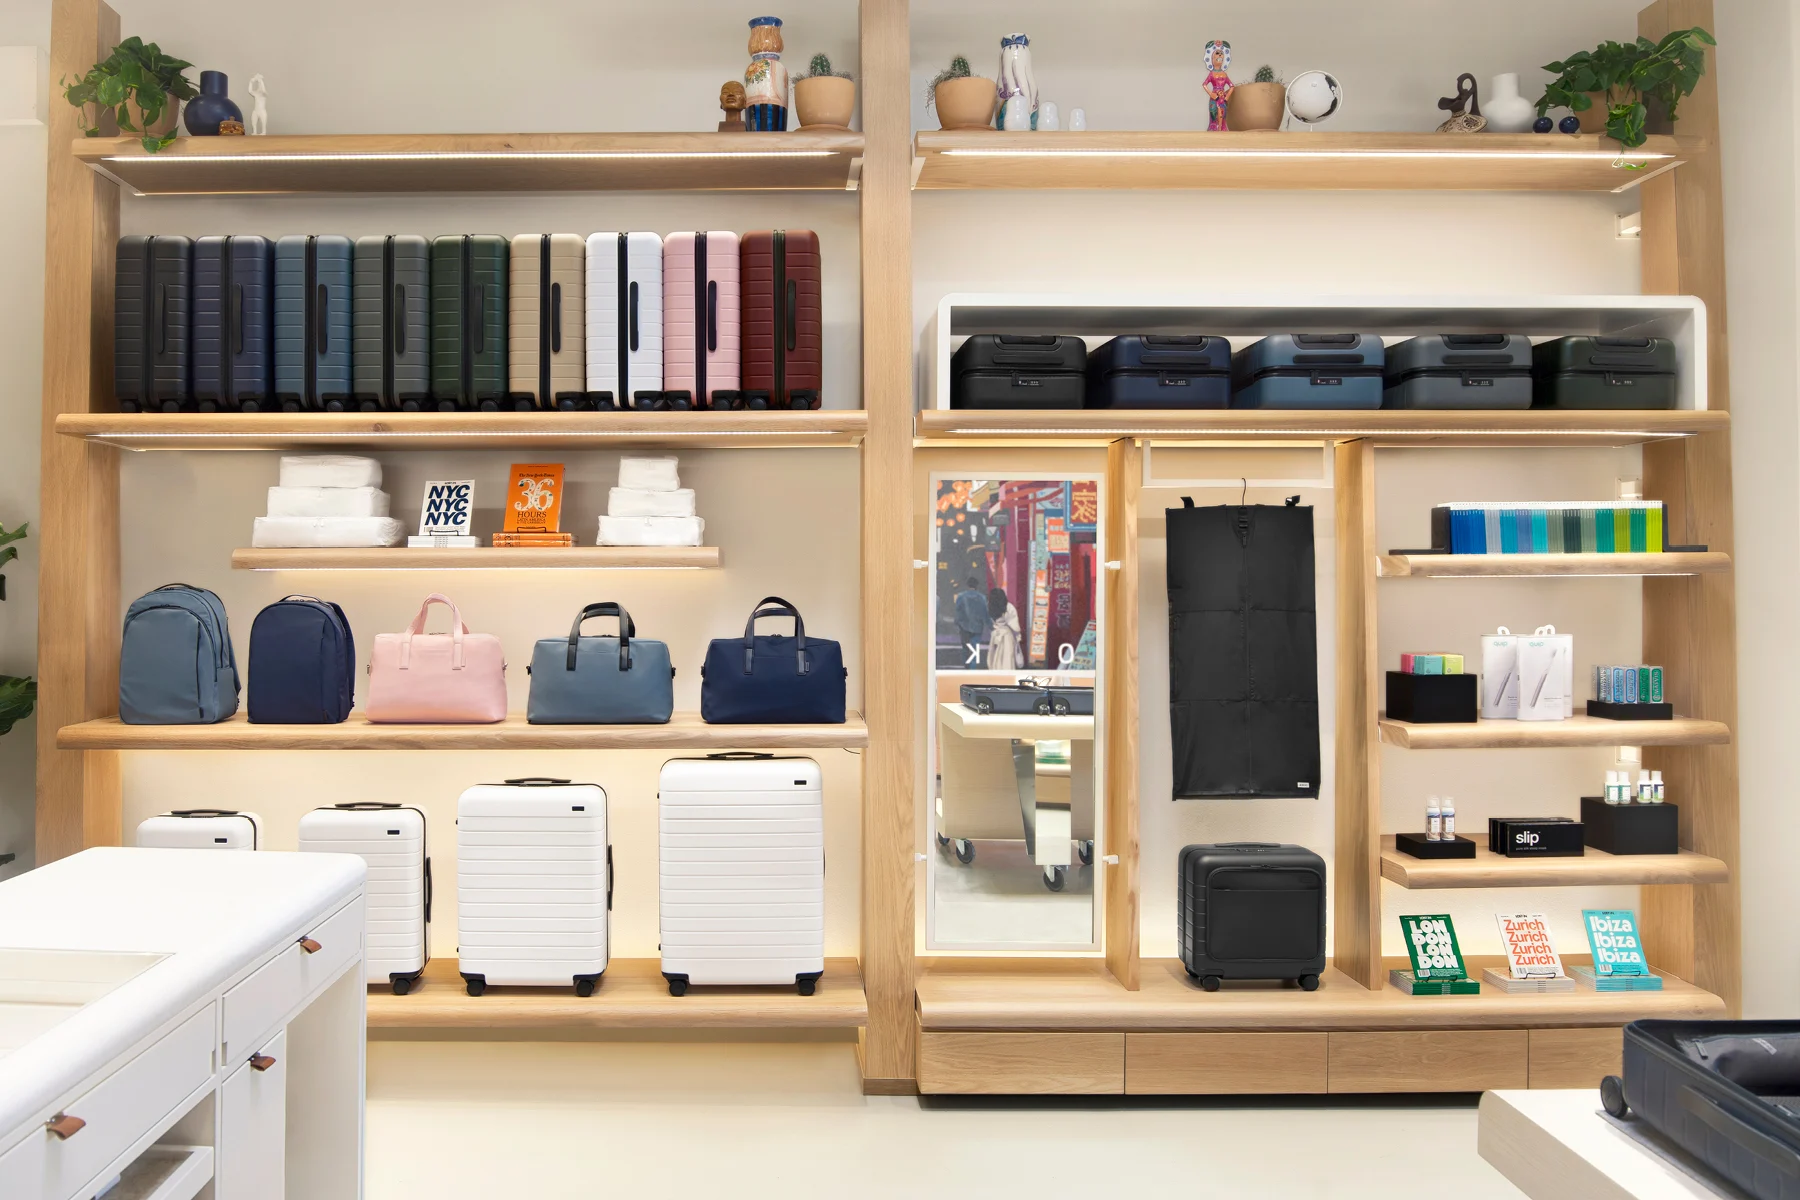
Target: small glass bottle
1612,786
1646,790
1656,787
1434,821
1447,819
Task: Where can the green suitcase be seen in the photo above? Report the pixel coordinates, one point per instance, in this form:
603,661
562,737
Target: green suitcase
468,322
1604,372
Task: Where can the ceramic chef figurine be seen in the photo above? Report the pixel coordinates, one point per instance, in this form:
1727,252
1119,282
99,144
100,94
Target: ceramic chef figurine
1217,85
765,80
1017,86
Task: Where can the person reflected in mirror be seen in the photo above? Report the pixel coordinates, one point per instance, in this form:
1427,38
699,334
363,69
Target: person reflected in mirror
972,619
1003,641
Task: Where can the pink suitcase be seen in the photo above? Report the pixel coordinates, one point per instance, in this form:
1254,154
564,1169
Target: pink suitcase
701,347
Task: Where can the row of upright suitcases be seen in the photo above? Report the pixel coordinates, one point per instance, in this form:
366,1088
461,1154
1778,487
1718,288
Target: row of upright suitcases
741,876
396,322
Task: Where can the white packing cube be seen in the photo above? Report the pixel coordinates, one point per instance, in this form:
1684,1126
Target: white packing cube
1500,675
651,531
271,532
329,470
327,502
202,829
391,839
636,502
649,474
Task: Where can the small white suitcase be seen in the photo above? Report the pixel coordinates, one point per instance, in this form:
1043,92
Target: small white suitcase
533,884
391,839
743,871
202,829
624,315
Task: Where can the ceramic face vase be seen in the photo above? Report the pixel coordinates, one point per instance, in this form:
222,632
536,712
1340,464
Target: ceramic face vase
1217,85
765,80
212,112
1017,85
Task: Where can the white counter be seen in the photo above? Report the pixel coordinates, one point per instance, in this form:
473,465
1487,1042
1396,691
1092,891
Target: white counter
1557,1145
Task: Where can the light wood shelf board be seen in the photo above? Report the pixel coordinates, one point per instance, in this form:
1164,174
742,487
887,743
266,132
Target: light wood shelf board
469,431
477,162
502,558
1579,730
685,731
632,995
1593,868
1468,566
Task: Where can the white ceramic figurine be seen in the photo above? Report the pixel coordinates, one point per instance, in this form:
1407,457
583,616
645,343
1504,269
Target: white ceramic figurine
259,115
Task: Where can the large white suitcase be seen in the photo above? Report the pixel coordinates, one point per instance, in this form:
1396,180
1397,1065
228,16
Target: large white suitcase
202,829
743,871
391,839
533,884
624,315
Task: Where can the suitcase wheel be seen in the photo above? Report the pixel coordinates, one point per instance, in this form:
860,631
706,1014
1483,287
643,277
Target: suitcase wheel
1059,707
1056,878
585,984
1085,852
677,984
984,706
477,984
1210,983
1042,706
965,851
1309,983
806,985
401,984
1612,1096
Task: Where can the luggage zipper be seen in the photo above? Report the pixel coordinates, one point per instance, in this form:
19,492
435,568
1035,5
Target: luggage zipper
231,333
627,322
706,311
471,304
311,306
783,314
149,317
393,298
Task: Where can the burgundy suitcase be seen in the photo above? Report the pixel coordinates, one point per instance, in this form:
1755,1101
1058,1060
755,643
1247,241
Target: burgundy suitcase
781,318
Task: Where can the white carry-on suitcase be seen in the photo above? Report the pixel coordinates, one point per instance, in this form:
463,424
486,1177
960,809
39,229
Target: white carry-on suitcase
533,884
391,839
202,829
624,316
743,871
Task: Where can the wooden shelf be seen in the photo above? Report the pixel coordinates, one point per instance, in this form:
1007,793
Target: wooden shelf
468,431
1382,427
1321,160
1595,867
1578,730
684,732
492,558
476,162
1478,566
632,995
971,724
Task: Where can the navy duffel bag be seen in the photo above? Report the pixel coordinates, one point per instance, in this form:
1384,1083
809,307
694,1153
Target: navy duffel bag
773,679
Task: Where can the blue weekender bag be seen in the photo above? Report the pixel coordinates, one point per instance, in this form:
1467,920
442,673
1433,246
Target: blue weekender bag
302,663
176,665
778,680
624,680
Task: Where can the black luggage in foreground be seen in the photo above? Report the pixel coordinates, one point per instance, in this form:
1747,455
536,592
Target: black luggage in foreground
1018,371
1251,910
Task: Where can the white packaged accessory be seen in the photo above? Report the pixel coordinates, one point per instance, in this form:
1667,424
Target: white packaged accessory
1546,675
649,474
202,829
651,531
329,470
391,839
273,532
636,502
327,502
1500,675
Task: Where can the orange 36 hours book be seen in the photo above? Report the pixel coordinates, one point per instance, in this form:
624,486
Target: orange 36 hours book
534,499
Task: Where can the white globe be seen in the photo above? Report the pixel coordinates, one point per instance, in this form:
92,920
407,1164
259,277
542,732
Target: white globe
1312,96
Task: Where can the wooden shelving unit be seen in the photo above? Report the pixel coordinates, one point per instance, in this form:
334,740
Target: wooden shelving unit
1496,566
480,558
1595,868
1578,730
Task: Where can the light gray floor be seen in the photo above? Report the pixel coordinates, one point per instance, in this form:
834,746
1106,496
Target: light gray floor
474,1120
1000,899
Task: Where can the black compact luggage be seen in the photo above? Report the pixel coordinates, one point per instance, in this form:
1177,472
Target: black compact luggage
1726,1092
152,323
234,316
1160,371
1251,910
1603,372
1459,371
1035,699
1019,371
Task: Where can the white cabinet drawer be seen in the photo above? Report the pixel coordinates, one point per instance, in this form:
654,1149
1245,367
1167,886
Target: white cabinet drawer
255,1008
340,939
252,1162
115,1113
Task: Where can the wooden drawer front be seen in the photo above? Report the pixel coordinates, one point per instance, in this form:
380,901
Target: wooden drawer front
257,1007
1224,1064
1027,1064
340,939
1574,1058
253,1127
137,1099
1470,1060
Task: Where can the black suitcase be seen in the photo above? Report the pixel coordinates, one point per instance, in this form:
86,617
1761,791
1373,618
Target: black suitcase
1726,1092
1603,372
152,319
1160,371
1028,698
1459,371
1251,910
234,322
1018,371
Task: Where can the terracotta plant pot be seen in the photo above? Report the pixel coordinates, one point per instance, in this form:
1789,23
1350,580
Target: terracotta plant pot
967,103
1256,106
109,124
824,101
1656,115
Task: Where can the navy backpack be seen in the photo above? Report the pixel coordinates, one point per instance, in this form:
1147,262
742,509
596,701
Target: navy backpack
302,663
773,679
176,665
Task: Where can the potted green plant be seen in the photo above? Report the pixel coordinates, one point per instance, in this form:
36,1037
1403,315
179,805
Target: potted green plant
1628,90
136,88
823,98
18,694
962,100
1260,103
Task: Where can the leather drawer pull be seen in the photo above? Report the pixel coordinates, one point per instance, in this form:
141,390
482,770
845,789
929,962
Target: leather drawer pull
310,946
65,1126
261,1062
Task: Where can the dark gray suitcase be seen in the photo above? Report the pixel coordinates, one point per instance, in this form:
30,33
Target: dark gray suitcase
234,313
1459,371
312,323
391,350
152,319
1251,910
1604,373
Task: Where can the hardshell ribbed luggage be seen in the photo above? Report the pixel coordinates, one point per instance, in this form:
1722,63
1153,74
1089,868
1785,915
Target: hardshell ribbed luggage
702,309
1458,371
312,323
624,319
743,871
533,884
783,319
468,321
234,322
1308,370
397,894
1160,371
202,829
392,348
1019,371
1603,372
546,322
1251,910
152,297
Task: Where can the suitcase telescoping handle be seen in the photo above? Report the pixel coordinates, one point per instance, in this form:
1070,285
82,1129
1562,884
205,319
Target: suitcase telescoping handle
1735,1129
777,608
627,631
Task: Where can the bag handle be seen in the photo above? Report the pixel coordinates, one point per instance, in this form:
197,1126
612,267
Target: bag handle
535,781
204,812
458,627
740,755
366,805
627,630
778,608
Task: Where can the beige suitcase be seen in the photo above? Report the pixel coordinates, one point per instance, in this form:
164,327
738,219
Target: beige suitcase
546,320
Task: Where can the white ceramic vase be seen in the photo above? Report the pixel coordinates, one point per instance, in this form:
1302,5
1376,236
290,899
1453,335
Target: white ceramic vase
1505,109
1049,121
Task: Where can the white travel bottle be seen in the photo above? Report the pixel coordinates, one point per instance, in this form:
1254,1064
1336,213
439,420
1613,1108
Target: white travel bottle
1434,821
1447,819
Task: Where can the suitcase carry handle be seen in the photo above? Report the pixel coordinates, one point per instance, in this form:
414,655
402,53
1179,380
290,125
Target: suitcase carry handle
204,812
535,781
634,316
1714,1115
712,315
1027,339
365,805
1623,343
427,889
740,755
1326,339
236,317
161,318
779,608
323,335
793,324
399,319
627,630
1175,339
478,321
1249,845
1475,339
556,318
609,877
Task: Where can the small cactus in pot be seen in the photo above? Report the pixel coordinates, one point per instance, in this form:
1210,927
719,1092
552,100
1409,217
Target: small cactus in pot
824,98
1260,103
963,99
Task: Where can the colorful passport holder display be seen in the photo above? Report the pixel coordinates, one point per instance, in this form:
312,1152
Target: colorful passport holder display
1431,699
1575,527
1431,664
1631,828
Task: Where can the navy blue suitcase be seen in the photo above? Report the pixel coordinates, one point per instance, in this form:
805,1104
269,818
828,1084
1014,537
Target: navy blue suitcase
1160,371
233,322
312,323
302,663
777,680
152,319
1309,370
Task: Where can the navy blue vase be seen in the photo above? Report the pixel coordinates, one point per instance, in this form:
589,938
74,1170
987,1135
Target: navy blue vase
212,106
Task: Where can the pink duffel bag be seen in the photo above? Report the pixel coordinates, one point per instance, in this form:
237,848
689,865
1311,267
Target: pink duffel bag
437,678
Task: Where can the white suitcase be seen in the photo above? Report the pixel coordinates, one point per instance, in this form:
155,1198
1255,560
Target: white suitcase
202,829
391,839
743,871
624,315
533,884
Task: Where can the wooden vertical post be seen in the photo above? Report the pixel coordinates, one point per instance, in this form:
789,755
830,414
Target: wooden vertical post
78,526
1356,891
1124,481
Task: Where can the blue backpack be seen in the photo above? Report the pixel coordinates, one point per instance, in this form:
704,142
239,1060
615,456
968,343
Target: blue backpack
176,665
302,663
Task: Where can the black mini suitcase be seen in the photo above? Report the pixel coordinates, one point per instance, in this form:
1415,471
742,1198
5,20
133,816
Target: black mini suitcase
1018,371
390,343
1603,372
234,315
1160,371
152,317
1028,698
1251,910
1459,371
